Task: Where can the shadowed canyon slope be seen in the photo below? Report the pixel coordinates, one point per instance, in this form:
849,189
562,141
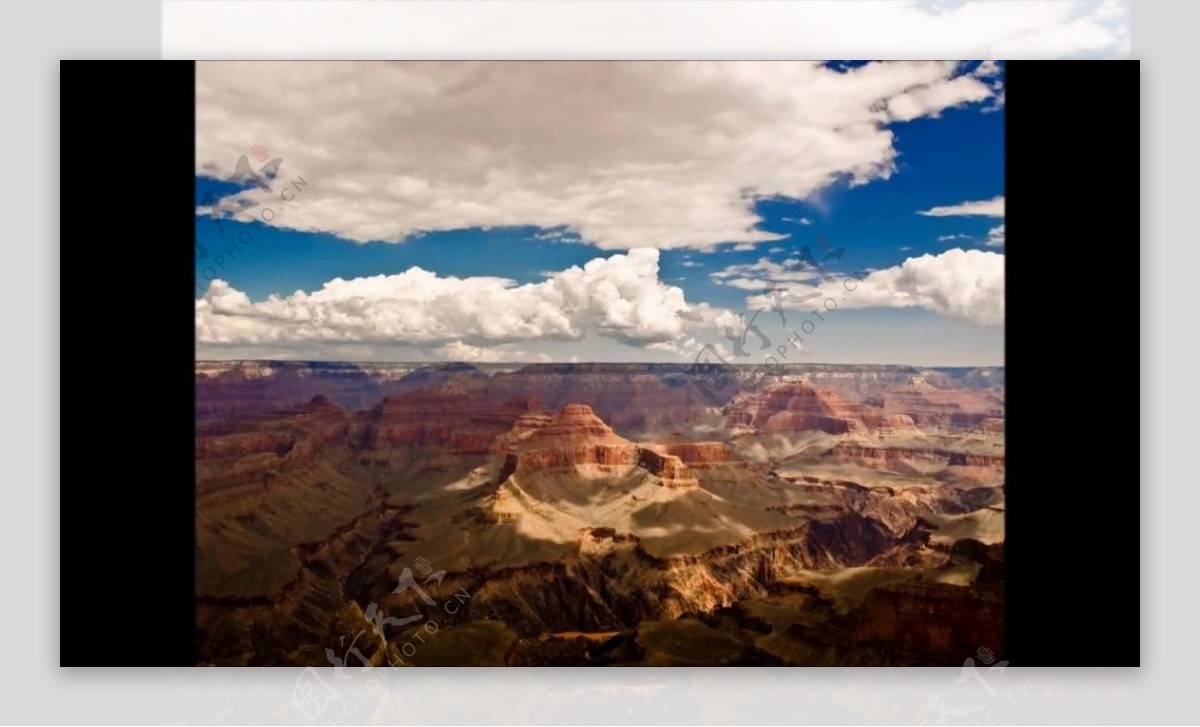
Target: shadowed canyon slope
596,514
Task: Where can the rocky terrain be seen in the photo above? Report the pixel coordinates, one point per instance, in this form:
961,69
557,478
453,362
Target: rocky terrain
596,514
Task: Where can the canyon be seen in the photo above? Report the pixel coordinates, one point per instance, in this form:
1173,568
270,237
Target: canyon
596,514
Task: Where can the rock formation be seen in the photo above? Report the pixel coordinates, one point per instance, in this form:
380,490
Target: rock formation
799,406
598,514
576,437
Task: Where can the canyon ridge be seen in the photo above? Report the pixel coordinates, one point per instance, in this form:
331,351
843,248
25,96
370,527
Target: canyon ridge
597,514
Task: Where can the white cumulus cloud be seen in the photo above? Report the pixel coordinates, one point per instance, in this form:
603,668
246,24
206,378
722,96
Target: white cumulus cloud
622,154
459,351
963,284
619,297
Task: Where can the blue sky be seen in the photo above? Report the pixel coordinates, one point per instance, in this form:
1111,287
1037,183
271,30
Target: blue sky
940,144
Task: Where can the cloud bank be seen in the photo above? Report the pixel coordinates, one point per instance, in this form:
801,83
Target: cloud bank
963,284
625,155
619,297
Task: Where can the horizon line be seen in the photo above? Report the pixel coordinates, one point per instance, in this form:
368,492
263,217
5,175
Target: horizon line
578,363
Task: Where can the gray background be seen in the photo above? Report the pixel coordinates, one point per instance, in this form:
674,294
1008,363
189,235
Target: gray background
35,35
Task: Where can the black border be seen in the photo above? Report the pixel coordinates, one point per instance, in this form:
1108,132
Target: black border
127,496
127,490
1071,346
